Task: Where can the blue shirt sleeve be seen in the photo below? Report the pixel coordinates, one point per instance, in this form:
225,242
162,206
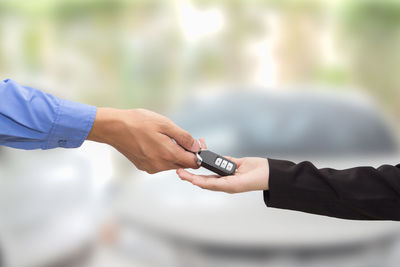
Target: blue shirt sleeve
31,119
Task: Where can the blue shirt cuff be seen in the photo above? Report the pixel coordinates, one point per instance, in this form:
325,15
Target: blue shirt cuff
71,126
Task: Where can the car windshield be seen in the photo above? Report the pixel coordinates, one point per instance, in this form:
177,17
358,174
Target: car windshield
256,124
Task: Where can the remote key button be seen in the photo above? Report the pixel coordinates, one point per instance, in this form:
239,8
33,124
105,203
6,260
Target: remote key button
218,161
223,164
229,167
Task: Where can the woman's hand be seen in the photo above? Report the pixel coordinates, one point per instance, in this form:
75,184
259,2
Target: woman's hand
251,174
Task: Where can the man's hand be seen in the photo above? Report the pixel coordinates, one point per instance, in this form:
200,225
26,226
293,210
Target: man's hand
251,174
145,138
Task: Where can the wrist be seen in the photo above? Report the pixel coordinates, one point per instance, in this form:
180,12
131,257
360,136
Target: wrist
262,174
106,123
267,172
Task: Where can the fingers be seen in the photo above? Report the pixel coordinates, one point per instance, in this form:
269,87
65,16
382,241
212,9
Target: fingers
186,159
175,156
187,176
182,137
210,182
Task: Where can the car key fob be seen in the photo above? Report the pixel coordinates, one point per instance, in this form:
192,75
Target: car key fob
216,163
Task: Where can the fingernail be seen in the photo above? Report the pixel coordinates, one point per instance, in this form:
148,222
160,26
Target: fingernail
195,146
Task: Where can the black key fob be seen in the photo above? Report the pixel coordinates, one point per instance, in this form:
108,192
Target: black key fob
216,163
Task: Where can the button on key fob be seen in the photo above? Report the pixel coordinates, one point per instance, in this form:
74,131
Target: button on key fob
216,163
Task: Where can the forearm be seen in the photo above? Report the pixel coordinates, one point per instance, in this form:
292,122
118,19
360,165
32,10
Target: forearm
31,119
362,193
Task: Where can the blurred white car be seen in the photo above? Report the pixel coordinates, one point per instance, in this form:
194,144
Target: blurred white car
48,205
167,222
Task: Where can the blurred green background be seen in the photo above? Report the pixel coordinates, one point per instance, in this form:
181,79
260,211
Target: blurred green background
151,53
156,54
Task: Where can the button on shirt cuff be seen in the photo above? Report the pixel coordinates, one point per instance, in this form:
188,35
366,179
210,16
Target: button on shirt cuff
71,126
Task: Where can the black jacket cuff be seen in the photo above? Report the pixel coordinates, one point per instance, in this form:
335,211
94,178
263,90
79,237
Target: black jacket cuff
279,182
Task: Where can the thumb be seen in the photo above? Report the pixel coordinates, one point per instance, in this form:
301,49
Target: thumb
182,137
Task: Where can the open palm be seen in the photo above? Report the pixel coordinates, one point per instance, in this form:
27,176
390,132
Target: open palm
251,174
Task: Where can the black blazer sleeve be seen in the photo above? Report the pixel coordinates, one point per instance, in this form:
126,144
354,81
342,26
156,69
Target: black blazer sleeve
362,193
